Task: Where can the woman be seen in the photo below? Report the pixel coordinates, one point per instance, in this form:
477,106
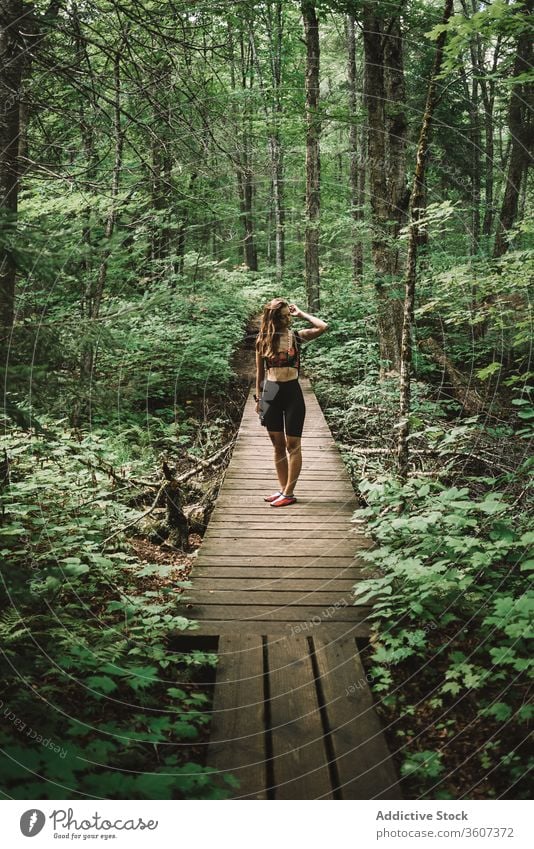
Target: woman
282,402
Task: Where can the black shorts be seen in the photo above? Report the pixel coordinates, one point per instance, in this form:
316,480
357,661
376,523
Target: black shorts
282,403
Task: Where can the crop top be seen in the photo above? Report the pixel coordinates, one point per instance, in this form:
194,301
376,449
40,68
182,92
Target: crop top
286,359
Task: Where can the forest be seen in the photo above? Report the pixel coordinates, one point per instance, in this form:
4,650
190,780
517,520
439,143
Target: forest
167,167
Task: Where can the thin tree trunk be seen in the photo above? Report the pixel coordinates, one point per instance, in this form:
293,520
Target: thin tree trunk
520,122
486,84
487,87
278,202
11,65
277,152
471,98
386,158
272,107
354,154
95,294
242,161
313,161
20,34
415,211
396,136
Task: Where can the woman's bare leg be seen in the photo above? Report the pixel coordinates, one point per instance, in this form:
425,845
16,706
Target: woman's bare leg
295,463
280,457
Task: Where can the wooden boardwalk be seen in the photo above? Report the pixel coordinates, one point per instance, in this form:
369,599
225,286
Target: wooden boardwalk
293,714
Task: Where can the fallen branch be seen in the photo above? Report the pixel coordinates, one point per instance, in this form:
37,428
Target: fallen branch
428,452
168,476
142,516
467,395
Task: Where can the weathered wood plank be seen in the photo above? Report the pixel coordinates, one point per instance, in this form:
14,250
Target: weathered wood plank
318,574
306,512
300,760
309,615
272,583
324,500
315,533
363,760
276,599
295,564
329,630
279,522
277,547
237,736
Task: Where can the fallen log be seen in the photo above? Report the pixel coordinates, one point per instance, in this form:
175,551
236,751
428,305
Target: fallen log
466,394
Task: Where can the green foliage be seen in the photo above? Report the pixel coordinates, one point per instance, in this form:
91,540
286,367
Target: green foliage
451,575
90,642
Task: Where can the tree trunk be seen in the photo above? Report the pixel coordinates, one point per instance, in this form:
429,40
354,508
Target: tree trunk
475,141
416,209
275,142
243,157
487,87
11,65
278,202
396,136
313,162
354,154
245,188
20,33
520,122
486,83
96,290
386,161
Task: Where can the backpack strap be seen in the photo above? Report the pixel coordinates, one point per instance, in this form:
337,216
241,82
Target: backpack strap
298,345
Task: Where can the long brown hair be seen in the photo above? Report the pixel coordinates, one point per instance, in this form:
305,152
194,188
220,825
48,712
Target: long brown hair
270,328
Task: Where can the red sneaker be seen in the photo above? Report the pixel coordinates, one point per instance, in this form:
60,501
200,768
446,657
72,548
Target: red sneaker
273,497
284,501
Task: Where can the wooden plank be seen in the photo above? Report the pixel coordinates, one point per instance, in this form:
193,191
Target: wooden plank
272,583
330,630
282,520
265,464
310,476
306,614
305,512
230,572
300,760
323,500
363,760
307,488
237,736
287,533
277,599
280,547
293,562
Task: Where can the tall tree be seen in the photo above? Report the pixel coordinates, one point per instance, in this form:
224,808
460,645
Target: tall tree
313,160
521,125
21,32
356,166
241,74
275,141
387,128
12,15
416,209
270,82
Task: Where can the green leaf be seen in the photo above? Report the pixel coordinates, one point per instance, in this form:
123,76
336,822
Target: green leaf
484,373
101,683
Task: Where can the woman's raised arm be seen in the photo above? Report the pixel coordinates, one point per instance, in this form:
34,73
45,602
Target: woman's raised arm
319,326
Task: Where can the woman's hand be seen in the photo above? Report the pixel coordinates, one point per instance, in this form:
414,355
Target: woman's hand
294,310
258,407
